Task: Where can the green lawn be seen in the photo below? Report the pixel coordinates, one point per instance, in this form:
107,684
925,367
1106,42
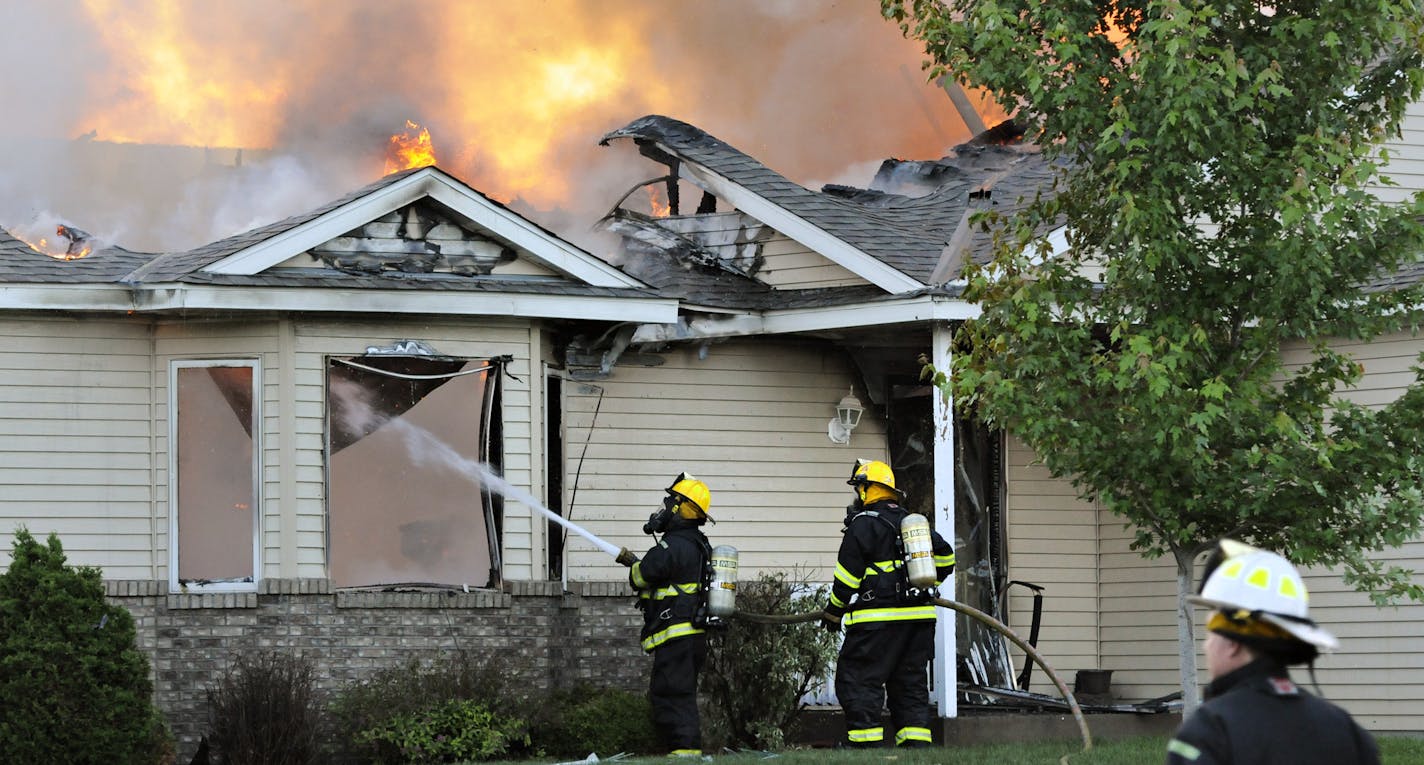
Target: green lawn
1397,750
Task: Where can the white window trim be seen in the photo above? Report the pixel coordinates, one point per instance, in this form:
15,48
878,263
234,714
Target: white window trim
230,586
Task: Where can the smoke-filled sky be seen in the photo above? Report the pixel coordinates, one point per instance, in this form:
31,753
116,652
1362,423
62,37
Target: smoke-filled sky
125,116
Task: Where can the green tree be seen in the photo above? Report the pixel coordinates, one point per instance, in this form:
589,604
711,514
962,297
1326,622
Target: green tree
75,688
1216,165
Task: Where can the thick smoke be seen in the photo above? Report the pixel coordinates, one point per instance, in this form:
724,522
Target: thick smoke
276,107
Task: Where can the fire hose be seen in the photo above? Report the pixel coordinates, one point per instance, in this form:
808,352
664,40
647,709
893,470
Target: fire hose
972,613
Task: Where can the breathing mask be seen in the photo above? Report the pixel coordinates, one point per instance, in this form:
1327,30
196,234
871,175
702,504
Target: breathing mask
659,521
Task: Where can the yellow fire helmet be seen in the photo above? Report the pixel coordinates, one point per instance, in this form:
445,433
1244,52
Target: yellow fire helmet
695,499
1247,584
873,481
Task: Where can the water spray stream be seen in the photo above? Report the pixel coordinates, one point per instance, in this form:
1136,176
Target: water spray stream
424,445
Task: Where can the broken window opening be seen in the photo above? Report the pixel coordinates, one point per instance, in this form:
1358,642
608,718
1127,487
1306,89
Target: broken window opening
407,439
214,464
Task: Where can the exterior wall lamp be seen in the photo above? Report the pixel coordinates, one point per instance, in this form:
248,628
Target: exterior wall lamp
848,413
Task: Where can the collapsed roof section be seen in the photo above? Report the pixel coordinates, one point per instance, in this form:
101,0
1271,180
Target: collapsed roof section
908,231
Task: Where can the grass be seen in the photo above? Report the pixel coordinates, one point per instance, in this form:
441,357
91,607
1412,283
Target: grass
1395,750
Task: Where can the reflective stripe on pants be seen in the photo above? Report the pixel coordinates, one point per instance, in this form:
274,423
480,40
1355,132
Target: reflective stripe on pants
673,692
886,663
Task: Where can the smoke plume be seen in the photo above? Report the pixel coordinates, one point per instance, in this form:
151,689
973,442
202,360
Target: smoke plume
164,124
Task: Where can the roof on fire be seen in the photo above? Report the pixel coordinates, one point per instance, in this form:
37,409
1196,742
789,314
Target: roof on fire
913,233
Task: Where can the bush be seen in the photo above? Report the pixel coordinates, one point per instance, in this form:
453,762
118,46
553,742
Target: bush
588,720
74,686
456,730
757,674
264,711
416,687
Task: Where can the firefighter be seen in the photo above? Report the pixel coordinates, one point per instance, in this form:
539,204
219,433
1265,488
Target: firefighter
671,580
889,623
1253,712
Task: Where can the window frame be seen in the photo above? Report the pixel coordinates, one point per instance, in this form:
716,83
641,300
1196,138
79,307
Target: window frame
490,438
233,585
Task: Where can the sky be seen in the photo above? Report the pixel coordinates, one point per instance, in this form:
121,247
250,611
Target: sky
163,125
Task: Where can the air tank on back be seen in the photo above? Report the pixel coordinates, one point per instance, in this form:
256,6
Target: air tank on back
919,551
722,591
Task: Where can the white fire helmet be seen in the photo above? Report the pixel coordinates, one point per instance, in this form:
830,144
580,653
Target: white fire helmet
1267,586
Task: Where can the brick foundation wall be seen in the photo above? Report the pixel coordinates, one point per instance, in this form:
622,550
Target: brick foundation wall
554,638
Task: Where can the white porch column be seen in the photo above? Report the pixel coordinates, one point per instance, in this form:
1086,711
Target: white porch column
944,679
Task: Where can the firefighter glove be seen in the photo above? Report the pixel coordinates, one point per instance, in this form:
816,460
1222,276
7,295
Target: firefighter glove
831,622
626,557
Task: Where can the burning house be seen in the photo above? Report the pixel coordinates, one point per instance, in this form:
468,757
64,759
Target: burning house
275,440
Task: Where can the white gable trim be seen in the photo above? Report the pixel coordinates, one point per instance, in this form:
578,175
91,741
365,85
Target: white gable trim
170,297
435,184
837,250
921,309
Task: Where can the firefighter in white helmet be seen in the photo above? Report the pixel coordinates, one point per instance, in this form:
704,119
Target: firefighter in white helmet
671,581
1253,712
889,619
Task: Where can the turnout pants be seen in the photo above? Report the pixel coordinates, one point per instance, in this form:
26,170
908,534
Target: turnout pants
886,662
673,693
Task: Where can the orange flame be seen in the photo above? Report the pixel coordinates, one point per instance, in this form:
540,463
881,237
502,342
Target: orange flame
655,201
297,77
76,249
410,148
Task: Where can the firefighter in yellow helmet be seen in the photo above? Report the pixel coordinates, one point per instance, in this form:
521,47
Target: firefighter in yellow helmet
671,580
889,622
1254,713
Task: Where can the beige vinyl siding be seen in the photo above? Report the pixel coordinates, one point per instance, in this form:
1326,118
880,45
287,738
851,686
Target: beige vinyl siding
1379,672
1051,543
750,420
790,265
1406,164
1138,614
75,439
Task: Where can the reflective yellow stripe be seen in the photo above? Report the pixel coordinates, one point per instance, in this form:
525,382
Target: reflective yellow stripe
866,734
681,629
913,734
685,753
847,578
1183,749
837,602
674,590
637,574
944,560
902,614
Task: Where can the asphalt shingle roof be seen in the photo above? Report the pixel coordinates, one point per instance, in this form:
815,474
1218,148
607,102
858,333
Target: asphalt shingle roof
904,232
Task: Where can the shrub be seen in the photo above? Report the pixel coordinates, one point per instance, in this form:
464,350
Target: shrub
263,711
74,686
490,680
456,730
588,720
757,674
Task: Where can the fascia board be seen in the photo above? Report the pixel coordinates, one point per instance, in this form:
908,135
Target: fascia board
653,310
812,236
169,297
429,182
65,297
869,315
923,309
